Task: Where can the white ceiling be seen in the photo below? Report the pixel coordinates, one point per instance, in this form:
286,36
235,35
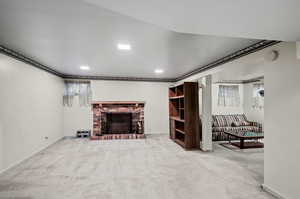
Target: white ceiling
65,34
260,19
243,69
239,73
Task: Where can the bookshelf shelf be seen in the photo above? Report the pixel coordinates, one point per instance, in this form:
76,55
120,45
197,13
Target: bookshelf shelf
176,119
177,97
180,131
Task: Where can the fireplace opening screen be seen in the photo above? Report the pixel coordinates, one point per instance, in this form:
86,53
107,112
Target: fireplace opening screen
119,123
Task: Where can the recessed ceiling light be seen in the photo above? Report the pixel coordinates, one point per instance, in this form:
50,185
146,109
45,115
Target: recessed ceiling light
84,67
158,71
124,46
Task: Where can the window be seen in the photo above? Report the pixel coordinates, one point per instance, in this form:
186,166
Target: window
229,95
257,97
82,89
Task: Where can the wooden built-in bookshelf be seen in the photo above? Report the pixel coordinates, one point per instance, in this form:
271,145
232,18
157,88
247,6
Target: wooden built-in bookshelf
184,115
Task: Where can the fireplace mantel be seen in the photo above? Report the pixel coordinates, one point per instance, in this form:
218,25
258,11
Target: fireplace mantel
101,122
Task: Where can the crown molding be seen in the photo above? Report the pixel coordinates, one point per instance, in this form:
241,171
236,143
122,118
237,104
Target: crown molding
27,60
111,78
256,79
229,82
247,81
231,57
240,53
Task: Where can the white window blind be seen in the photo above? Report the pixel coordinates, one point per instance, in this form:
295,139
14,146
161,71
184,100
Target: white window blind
229,95
80,89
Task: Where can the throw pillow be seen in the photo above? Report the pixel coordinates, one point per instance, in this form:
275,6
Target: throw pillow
215,124
236,124
245,123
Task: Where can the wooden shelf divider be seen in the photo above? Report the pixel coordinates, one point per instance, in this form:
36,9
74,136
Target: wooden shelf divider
184,115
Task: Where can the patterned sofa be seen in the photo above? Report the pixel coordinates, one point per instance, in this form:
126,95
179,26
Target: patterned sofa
237,122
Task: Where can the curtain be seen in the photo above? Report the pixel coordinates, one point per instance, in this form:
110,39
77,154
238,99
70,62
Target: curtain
229,95
80,89
257,99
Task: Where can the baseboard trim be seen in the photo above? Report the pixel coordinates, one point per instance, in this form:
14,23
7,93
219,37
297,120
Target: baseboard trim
206,150
29,156
272,192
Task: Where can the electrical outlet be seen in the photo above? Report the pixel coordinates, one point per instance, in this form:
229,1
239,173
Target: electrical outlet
46,138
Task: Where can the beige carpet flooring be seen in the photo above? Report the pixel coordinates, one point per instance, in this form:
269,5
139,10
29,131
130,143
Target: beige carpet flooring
154,168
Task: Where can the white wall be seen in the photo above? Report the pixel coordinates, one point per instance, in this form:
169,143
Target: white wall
221,110
282,110
154,94
30,110
76,118
1,147
253,114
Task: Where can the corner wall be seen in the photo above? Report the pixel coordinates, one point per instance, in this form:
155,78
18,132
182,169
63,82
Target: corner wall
205,111
282,110
155,95
1,147
30,110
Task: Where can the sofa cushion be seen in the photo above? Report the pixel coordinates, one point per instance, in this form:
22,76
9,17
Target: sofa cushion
245,123
215,124
219,120
227,120
240,128
236,124
240,117
240,123
223,120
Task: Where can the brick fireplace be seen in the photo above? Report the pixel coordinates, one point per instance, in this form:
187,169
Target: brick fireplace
118,120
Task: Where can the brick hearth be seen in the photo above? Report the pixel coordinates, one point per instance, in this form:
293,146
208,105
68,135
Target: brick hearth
119,136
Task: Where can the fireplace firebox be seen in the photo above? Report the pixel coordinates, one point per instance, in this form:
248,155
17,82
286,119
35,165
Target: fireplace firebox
118,123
